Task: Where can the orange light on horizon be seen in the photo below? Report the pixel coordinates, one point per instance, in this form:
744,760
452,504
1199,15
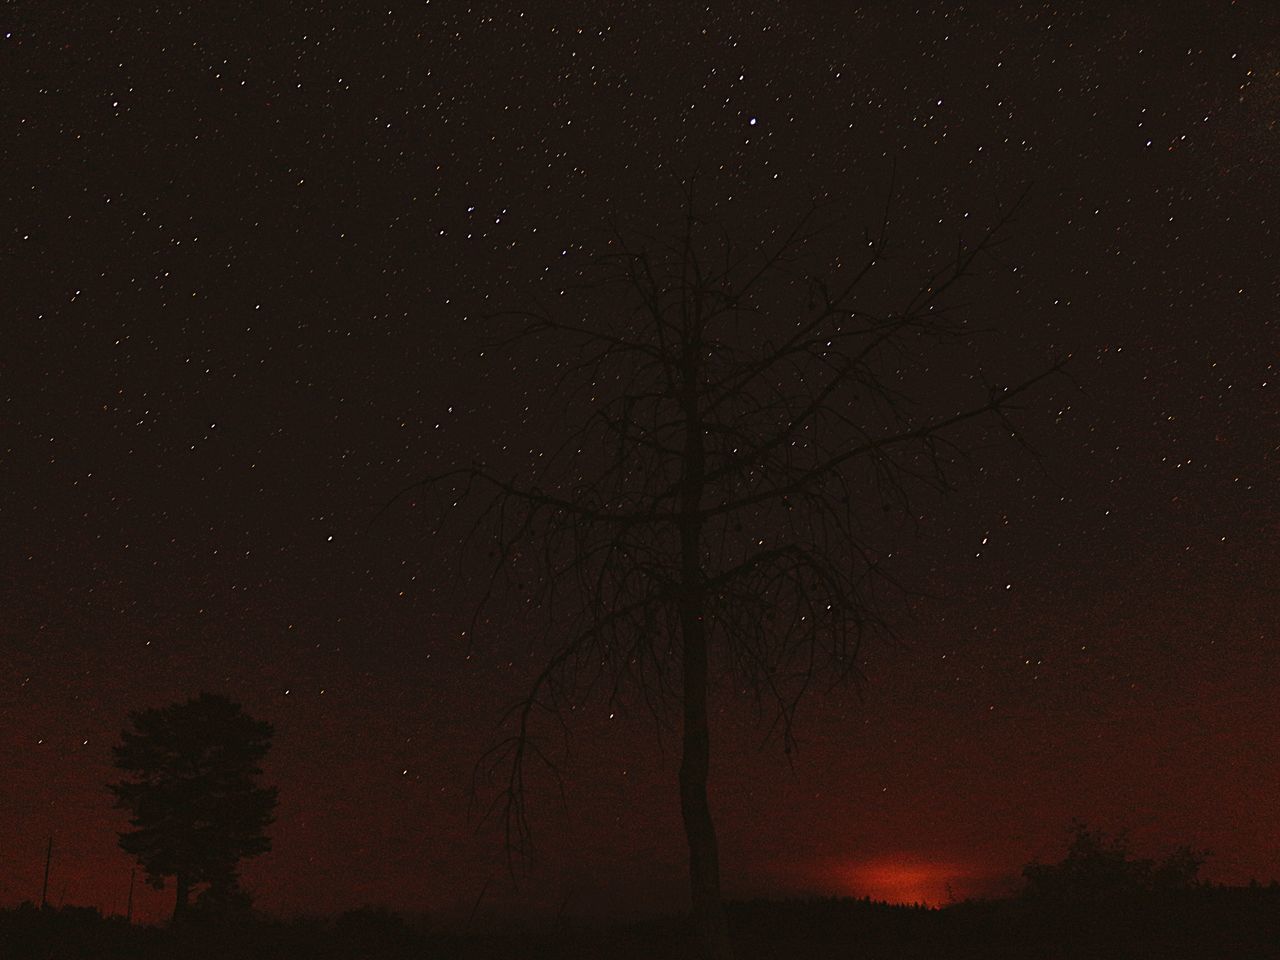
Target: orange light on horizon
902,880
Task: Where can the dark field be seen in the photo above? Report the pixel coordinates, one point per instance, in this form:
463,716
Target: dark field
1232,923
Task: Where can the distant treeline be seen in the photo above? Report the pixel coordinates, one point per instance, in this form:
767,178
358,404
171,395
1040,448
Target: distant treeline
1190,924
1200,921
1099,902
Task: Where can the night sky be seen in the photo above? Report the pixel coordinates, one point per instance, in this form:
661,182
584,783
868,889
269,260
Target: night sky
245,253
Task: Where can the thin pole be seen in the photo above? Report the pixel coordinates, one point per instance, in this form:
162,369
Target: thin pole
44,890
128,910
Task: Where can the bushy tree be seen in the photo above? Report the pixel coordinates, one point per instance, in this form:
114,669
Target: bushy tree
1101,868
193,795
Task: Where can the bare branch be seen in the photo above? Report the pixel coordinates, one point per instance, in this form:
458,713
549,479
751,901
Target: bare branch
717,508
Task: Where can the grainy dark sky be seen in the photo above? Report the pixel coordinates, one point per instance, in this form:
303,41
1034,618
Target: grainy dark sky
244,252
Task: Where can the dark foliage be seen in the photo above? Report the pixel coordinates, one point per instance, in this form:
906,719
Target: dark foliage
195,803
1101,869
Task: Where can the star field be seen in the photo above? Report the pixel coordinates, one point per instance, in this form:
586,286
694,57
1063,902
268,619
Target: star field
247,255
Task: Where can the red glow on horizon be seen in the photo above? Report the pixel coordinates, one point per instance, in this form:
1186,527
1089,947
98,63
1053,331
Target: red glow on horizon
904,879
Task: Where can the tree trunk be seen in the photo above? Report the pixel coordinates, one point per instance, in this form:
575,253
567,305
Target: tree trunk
695,760
184,894
699,830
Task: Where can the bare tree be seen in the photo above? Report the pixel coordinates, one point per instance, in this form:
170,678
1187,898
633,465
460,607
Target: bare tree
717,510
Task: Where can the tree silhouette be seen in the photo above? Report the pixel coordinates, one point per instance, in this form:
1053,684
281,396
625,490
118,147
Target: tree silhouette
1099,868
193,795
725,505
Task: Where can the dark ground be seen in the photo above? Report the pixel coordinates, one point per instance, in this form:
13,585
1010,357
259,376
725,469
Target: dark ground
1241,923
